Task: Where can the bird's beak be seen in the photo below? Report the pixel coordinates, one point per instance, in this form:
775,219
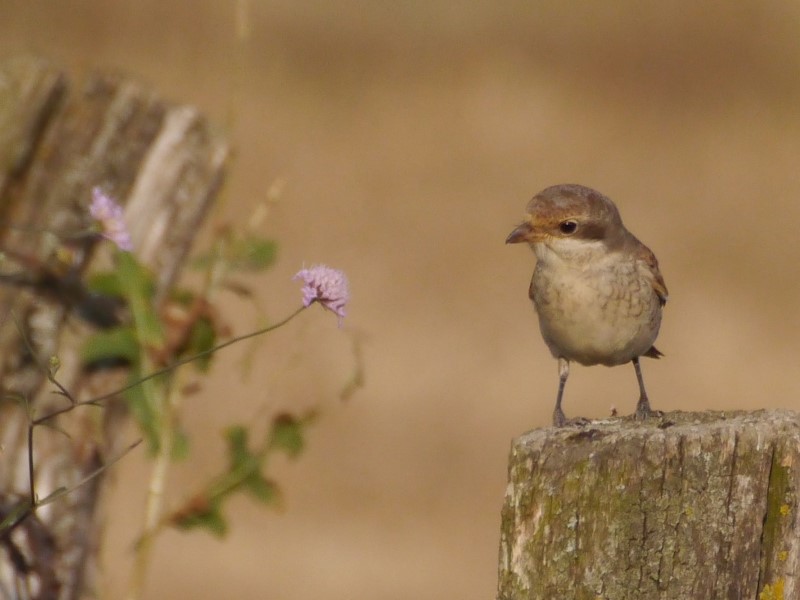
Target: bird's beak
521,234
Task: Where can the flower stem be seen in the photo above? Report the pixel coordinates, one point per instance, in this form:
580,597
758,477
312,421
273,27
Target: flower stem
204,353
166,432
171,367
156,488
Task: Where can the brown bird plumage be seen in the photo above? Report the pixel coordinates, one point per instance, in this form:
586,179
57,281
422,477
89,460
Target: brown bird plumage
597,289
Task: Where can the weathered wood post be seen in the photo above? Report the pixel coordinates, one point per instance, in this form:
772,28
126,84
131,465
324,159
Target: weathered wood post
690,506
165,164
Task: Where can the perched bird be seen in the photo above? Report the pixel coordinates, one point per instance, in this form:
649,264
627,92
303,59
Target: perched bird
596,288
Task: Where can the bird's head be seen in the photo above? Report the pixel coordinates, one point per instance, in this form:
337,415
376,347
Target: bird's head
570,219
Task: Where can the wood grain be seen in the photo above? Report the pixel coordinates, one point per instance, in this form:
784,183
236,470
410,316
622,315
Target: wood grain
58,140
692,505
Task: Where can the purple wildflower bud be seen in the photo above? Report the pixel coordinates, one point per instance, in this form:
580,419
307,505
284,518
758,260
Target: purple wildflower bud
111,218
327,286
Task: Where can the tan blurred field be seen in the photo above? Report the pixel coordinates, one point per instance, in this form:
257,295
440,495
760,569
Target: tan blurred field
410,136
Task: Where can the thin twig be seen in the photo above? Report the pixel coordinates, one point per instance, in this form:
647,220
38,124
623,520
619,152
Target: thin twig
23,510
171,367
53,496
31,477
44,369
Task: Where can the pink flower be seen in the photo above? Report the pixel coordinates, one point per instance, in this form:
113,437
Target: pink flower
111,218
327,286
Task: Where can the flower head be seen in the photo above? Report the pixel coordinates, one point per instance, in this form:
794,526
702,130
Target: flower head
327,286
109,215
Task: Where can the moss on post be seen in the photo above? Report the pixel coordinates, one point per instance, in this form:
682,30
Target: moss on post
691,505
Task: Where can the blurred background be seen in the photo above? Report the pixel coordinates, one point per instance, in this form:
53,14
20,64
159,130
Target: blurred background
409,137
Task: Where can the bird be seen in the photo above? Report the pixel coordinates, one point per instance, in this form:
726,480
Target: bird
597,290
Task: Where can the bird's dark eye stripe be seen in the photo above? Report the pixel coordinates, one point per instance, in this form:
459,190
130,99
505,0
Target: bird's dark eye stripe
567,227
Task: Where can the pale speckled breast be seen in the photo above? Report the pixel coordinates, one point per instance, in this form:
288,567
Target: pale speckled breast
600,313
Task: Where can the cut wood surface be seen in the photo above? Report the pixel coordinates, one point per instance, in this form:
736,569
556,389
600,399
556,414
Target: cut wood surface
687,506
58,140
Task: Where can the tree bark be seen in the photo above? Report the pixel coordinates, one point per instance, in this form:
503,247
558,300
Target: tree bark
164,164
691,505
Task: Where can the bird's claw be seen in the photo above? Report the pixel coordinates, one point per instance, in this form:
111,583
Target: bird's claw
644,412
560,420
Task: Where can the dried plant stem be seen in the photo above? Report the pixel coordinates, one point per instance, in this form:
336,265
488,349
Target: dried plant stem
154,506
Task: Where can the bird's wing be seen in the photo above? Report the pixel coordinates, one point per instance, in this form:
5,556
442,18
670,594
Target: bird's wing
646,256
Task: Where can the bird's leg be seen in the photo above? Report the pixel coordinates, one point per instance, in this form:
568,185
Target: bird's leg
559,419
643,410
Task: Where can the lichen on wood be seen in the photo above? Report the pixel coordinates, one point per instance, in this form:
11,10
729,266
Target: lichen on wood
690,505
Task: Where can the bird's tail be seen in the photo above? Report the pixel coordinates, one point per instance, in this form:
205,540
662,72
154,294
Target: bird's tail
653,352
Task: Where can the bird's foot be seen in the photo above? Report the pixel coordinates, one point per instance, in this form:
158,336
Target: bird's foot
560,420
643,410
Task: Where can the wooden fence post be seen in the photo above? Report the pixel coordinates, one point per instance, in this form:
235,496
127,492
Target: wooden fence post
690,506
164,164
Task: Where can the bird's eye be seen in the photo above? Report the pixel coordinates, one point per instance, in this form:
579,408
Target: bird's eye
568,227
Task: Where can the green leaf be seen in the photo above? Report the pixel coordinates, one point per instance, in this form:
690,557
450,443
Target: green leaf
52,496
287,434
145,414
183,296
209,518
14,515
134,278
242,461
138,289
264,490
238,452
106,283
202,337
119,343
